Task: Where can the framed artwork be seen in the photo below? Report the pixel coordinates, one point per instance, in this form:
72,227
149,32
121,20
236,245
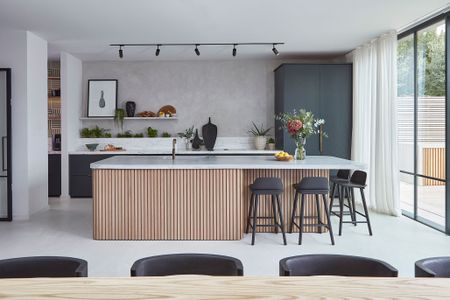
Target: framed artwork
102,98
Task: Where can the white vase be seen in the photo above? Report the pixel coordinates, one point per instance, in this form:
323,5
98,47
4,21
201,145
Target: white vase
260,142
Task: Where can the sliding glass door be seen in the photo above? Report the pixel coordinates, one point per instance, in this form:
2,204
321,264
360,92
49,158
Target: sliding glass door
422,123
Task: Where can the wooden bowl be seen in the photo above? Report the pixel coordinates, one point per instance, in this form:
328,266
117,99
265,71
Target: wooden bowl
168,109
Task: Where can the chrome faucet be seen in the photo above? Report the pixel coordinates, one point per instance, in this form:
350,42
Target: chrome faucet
174,142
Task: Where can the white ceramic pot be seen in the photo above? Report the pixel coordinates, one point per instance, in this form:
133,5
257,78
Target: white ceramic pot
260,142
271,146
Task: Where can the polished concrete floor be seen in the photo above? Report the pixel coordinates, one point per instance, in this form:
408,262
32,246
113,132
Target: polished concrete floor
65,229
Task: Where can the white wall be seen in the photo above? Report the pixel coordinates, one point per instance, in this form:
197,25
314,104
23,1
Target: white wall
233,93
26,55
71,95
37,122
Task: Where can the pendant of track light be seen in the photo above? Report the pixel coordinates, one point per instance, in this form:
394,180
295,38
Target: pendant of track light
196,50
274,50
120,52
157,50
234,50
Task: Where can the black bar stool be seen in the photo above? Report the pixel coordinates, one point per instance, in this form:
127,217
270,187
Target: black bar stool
311,186
342,176
273,187
358,181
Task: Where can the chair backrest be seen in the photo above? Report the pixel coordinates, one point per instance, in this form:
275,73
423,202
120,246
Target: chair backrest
43,266
359,177
433,267
179,264
337,265
343,174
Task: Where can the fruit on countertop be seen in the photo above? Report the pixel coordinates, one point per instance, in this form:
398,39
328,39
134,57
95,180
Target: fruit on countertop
283,156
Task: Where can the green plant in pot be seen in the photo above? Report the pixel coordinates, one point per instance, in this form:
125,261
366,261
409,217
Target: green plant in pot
119,116
271,144
152,133
260,134
187,136
166,135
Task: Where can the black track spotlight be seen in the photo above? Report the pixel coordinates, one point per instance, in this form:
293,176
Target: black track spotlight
120,52
157,50
234,50
274,50
197,51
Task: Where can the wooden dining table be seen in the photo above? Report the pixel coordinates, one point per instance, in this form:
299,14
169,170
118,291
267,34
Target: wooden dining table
209,287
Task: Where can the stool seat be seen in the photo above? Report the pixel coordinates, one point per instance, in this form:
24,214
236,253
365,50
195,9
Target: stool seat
267,183
313,185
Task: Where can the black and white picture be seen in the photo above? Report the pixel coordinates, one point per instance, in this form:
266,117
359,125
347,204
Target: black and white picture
102,97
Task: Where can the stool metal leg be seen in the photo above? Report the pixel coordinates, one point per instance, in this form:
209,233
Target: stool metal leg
280,212
294,209
352,193
255,209
274,213
319,218
366,212
328,219
341,208
249,218
302,205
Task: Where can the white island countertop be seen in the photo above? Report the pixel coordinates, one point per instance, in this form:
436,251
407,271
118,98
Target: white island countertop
223,162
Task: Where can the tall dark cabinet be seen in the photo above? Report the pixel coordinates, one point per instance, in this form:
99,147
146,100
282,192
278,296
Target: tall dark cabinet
324,89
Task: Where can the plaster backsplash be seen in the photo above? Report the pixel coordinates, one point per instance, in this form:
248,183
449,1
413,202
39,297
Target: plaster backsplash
232,93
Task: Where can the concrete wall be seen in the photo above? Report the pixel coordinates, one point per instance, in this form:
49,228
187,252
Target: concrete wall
233,93
26,55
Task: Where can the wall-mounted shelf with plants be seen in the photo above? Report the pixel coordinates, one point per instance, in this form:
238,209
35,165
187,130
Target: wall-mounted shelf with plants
129,118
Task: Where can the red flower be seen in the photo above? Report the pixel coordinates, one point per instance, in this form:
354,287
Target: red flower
293,126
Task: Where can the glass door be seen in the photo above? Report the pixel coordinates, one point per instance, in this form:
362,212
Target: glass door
5,145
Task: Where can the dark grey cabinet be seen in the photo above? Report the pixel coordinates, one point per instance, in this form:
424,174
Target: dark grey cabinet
324,89
54,175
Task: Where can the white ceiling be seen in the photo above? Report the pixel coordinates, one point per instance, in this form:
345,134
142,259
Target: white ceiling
85,28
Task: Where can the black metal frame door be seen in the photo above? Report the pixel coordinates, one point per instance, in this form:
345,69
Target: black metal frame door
6,144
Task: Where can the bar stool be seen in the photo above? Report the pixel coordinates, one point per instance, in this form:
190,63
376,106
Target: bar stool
311,186
271,186
342,176
358,181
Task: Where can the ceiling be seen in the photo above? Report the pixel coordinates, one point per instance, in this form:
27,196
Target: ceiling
317,28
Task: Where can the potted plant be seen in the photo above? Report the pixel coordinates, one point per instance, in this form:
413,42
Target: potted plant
271,144
119,116
260,136
152,133
300,125
187,136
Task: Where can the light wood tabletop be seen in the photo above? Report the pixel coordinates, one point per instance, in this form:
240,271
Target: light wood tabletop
206,287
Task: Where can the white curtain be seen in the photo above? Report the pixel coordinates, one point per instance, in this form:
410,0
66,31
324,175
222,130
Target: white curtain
374,139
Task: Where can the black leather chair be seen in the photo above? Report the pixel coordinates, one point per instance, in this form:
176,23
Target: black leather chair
195,264
335,265
433,267
43,266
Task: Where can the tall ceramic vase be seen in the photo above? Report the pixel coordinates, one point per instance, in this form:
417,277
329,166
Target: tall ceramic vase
130,107
300,150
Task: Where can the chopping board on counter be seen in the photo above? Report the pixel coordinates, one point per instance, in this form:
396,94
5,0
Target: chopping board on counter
209,132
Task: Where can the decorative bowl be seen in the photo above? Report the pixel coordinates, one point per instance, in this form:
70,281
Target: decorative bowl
91,147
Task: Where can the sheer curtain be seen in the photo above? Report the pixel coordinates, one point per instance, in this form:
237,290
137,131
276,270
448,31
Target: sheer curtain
374,139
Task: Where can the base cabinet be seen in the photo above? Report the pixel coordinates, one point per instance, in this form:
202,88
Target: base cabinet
54,175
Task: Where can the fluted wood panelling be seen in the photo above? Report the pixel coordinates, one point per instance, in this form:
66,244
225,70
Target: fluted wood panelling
289,177
433,165
183,204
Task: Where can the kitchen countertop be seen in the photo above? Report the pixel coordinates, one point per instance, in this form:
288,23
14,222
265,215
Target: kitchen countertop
224,162
182,152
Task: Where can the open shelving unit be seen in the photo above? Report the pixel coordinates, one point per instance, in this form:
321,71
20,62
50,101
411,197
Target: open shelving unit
130,118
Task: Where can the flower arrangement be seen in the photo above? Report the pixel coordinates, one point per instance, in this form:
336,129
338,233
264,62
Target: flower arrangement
300,125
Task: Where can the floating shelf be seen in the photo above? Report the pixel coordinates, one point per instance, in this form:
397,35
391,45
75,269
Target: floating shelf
130,118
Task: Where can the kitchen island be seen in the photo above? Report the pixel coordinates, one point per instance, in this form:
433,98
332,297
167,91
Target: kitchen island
191,198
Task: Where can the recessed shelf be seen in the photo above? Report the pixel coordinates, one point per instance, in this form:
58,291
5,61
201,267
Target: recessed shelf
130,118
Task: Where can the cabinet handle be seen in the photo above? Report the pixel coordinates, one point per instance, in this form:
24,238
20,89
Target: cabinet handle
3,154
321,139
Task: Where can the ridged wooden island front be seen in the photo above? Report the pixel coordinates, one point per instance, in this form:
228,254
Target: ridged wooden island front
191,198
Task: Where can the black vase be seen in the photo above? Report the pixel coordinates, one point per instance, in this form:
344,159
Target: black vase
130,107
209,132
196,141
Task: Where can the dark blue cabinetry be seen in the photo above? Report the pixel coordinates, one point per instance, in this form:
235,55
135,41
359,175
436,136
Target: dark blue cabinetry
324,89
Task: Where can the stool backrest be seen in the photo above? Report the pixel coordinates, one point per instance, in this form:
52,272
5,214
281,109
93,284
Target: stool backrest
433,267
195,264
43,266
335,265
343,174
359,177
